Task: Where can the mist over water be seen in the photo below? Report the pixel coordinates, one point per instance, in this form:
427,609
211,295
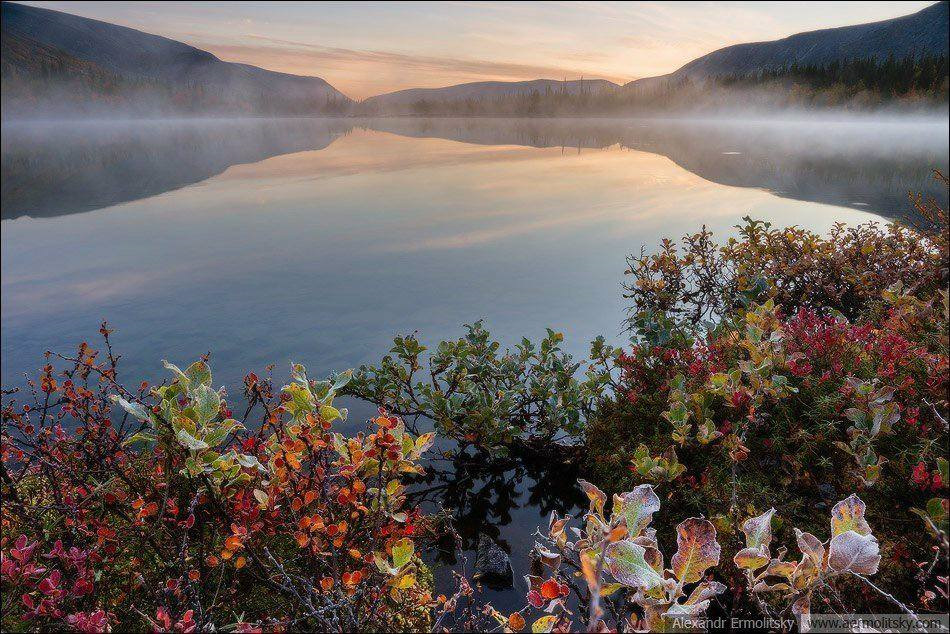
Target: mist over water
318,240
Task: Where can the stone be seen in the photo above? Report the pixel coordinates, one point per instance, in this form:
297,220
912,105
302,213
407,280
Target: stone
492,564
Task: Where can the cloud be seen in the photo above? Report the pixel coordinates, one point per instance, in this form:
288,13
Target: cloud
363,73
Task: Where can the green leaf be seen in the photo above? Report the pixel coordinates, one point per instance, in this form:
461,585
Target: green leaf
341,380
199,373
635,566
142,437
383,564
758,530
943,468
182,377
207,403
402,552
637,508
329,413
424,441
752,558
544,624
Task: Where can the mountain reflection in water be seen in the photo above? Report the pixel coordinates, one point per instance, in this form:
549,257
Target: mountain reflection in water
54,169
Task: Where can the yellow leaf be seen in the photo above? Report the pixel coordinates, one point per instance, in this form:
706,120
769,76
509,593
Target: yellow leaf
405,581
544,624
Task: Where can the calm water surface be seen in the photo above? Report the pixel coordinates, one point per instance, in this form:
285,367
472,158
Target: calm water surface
318,240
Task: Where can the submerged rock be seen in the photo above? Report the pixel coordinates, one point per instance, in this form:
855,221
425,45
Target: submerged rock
492,565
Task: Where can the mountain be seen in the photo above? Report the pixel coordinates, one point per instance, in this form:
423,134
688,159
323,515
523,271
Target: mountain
57,64
44,50
406,100
915,35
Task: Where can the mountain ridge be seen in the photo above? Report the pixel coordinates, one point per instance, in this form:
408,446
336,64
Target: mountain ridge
96,61
490,89
914,34
49,43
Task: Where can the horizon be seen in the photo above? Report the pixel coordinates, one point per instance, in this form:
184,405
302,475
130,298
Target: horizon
369,49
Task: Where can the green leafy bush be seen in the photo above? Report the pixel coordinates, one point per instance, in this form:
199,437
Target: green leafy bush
477,393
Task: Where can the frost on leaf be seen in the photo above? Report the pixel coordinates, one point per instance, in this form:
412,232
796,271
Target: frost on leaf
811,547
853,552
136,409
697,549
848,515
752,558
596,496
758,530
635,566
636,508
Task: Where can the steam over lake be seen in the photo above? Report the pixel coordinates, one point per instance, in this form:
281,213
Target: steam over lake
318,240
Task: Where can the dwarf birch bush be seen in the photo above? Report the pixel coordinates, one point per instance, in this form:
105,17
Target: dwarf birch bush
170,513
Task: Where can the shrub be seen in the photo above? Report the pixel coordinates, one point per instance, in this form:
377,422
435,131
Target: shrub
168,513
843,272
814,366
480,395
782,369
851,550
616,569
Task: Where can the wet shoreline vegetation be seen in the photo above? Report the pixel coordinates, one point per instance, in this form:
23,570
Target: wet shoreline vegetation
771,443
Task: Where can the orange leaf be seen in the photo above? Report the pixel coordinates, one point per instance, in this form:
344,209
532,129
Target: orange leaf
516,622
550,589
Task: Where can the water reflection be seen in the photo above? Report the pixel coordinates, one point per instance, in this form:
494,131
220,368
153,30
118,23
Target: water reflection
867,164
53,169
504,498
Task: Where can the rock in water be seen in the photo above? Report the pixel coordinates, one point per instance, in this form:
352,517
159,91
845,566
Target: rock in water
492,565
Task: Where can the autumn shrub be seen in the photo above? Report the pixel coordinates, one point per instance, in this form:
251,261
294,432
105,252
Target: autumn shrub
609,574
769,383
159,508
844,271
811,368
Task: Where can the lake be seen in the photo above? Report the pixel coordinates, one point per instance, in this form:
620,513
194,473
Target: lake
266,241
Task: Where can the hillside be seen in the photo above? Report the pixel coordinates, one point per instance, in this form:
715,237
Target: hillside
56,64
49,56
921,33
404,101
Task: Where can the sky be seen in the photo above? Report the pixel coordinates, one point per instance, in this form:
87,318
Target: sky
369,48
